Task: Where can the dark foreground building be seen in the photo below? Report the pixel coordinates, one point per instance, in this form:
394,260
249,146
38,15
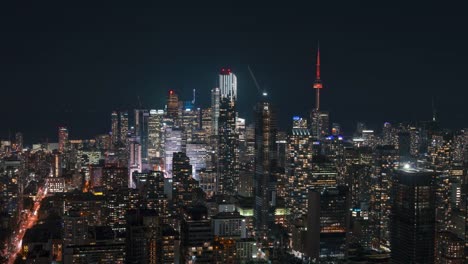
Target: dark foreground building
413,217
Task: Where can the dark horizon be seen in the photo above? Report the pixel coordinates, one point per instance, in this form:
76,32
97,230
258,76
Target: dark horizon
66,65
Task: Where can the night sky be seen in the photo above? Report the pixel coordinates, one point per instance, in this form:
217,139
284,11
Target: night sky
64,64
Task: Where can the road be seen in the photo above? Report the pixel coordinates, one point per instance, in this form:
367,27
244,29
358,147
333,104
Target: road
25,223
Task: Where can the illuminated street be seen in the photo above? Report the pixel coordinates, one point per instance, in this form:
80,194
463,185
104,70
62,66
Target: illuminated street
31,219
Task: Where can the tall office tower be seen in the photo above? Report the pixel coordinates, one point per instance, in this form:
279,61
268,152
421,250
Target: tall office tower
215,101
385,161
413,217
328,224
207,121
300,145
265,162
173,143
155,137
114,128
182,182
173,104
198,155
62,139
141,128
19,141
190,122
228,84
135,162
123,126
228,167
196,236
142,235
319,119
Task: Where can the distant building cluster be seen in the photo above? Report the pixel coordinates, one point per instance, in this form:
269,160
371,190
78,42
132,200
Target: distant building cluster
185,184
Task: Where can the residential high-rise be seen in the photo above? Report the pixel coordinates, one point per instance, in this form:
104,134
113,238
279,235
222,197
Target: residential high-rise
385,160
265,161
228,84
299,156
228,169
62,139
114,128
123,126
413,220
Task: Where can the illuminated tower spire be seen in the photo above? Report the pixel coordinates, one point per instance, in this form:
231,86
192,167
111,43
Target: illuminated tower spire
318,83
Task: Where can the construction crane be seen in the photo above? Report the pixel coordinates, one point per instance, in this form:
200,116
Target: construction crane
260,91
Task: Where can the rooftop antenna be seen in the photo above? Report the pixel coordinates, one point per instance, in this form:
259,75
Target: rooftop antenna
434,111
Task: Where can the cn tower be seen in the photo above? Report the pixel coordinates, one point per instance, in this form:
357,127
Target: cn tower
318,83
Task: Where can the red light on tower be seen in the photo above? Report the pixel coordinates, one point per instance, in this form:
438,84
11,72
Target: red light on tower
171,92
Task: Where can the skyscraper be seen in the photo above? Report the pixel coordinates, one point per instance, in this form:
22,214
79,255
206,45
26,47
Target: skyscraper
228,84
265,161
173,104
173,143
155,136
123,126
141,128
215,97
62,139
114,128
227,145
413,217
135,162
328,223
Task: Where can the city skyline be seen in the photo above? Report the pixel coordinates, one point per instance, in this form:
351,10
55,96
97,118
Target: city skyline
404,57
225,134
